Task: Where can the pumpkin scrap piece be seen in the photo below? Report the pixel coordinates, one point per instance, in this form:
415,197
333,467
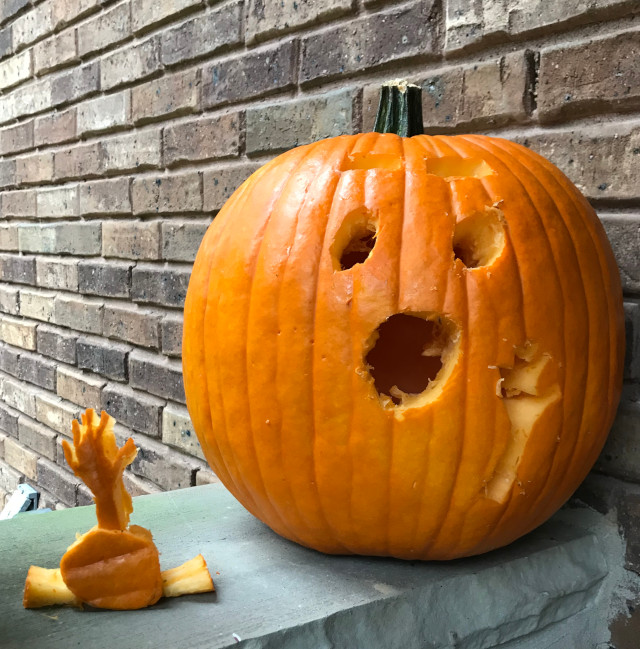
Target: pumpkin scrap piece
113,565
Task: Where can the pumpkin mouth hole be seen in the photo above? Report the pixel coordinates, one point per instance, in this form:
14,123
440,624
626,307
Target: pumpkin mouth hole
479,239
408,355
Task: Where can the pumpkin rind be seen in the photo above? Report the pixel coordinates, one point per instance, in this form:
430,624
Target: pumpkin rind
275,341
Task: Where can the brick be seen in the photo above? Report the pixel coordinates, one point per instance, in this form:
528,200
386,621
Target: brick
20,396
599,159
181,239
156,375
78,387
203,35
469,22
56,413
32,25
250,75
76,84
60,238
15,70
368,42
80,314
20,458
9,300
9,420
131,239
134,152
17,269
9,359
2,438
37,437
266,19
168,468
137,410
56,343
133,63
203,139
206,476
172,335
6,42
37,305
39,371
57,481
10,478
147,13
61,274
105,197
632,327
11,7
68,11
281,126
138,486
105,29
489,93
106,358
624,235
55,52
55,128
34,169
131,324
601,74
84,496
166,286
26,100
8,238
219,184
7,173
112,279
57,202
169,96
18,332
19,204
167,194
178,431
82,161
14,139
104,113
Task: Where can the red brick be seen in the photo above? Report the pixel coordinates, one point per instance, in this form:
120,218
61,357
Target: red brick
34,169
14,139
83,161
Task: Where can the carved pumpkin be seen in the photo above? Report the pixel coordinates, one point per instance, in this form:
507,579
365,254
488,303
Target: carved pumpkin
404,346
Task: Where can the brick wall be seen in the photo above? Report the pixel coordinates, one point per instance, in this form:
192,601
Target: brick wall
125,125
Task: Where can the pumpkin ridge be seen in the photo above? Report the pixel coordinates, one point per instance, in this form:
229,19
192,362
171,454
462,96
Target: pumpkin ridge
209,442
508,505
306,152
581,218
210,314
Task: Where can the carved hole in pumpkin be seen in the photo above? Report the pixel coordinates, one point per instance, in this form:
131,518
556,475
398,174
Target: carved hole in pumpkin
452,168
386,161
479,239
355,239
407,356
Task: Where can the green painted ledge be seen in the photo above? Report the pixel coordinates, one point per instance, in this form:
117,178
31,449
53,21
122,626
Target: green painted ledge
552,589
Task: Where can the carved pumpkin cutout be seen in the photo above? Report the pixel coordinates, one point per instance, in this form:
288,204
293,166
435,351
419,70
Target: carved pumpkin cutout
405,346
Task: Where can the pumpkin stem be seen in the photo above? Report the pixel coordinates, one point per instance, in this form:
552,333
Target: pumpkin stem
400,109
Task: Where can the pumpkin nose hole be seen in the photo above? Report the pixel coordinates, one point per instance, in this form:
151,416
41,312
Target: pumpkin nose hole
407,356
478,240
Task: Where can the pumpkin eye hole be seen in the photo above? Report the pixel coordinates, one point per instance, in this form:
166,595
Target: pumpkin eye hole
407,355
479,239
355,239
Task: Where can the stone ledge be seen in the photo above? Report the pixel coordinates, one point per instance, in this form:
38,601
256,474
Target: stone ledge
552,589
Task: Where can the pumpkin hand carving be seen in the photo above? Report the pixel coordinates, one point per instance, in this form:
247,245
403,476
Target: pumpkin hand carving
113,565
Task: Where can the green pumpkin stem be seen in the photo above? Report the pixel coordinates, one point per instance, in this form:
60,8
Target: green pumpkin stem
400,109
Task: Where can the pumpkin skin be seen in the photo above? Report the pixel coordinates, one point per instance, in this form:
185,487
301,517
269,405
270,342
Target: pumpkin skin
277,340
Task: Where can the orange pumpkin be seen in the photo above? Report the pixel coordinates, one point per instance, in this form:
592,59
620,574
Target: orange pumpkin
404,345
